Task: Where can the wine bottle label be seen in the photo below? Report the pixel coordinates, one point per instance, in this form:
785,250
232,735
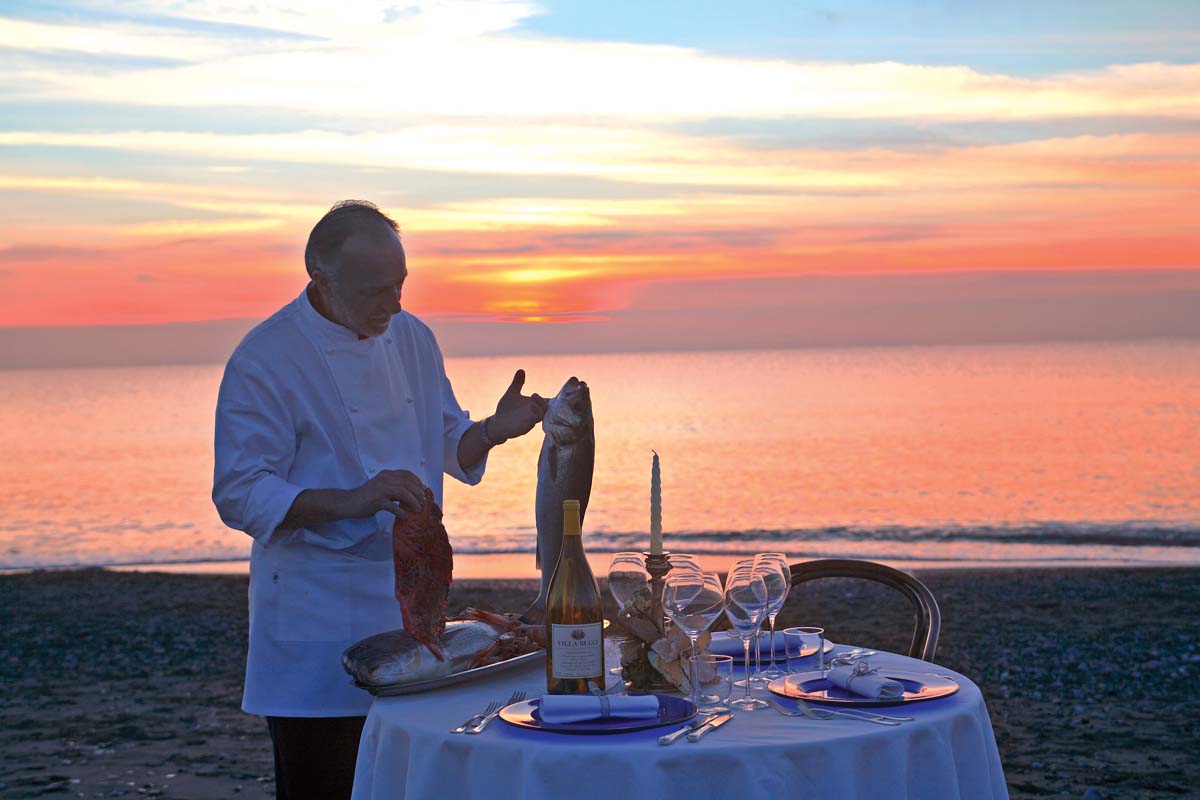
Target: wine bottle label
577,651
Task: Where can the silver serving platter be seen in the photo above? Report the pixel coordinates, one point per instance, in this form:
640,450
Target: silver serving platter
394,689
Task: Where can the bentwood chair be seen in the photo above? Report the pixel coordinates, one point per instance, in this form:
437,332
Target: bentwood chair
927,617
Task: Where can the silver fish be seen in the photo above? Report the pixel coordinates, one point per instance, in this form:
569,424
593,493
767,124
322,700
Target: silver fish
478,637
564,473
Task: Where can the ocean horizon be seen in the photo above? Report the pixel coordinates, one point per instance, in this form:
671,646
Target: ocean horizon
1060,453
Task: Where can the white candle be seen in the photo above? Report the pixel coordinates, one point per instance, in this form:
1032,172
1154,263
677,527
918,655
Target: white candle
655,509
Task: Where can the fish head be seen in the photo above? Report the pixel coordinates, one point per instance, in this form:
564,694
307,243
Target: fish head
569,415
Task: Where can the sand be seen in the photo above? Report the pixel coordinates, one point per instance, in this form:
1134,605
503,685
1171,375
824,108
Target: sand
129,684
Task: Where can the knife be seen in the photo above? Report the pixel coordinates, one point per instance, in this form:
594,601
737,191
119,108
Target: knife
691,726
711,725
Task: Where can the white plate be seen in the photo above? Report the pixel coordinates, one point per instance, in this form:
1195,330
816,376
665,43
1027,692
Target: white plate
815,687
727,643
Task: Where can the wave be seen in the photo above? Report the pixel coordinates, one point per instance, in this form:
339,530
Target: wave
1122,534
1072,541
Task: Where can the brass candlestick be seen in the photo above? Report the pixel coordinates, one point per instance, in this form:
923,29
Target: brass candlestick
658,566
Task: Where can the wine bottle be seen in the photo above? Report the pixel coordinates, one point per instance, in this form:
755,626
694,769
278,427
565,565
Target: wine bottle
574,618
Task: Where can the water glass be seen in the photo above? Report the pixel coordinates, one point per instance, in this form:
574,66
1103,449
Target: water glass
714,682
613,668
799,644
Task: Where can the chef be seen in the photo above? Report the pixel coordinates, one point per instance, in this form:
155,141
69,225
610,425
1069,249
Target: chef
332,417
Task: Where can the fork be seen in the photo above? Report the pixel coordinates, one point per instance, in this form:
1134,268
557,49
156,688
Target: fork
516,697
805,710
874,714
492,706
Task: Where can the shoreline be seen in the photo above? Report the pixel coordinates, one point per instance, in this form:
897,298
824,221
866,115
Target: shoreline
121,682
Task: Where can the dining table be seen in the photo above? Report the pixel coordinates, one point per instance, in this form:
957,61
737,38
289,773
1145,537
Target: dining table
947,750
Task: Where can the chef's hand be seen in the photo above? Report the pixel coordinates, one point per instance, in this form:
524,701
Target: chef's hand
394,490
516,414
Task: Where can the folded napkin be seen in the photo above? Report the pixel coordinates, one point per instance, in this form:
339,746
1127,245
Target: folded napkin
726,643
561,708
865,684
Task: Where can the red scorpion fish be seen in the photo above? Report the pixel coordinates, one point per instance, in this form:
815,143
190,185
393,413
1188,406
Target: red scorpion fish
424,564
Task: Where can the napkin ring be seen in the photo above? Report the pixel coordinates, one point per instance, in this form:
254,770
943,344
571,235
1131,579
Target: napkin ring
605,702
861,668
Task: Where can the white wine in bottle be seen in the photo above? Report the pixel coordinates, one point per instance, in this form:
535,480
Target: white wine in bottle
574,618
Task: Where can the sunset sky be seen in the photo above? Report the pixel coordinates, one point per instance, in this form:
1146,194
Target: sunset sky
600,164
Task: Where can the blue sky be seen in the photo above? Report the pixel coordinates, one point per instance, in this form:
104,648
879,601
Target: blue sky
1027,38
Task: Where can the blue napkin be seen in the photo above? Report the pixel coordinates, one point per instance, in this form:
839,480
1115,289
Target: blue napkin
872,685
563,708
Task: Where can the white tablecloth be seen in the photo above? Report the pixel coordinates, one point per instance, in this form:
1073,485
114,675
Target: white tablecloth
407,751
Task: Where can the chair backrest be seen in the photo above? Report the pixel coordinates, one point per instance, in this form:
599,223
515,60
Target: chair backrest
928,618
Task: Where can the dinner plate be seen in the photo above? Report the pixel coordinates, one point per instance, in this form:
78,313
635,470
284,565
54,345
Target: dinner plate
671,711
815,687
725,643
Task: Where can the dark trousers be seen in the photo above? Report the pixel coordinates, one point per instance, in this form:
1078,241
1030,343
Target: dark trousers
314,757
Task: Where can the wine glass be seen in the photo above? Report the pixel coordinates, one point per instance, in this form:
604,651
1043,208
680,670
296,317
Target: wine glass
627,577
778,577
755,675
745,606
681,562
693,601
743,564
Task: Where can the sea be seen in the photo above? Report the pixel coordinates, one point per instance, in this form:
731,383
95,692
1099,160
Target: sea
1044,454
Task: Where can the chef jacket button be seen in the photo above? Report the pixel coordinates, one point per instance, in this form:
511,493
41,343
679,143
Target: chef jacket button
353,409
422,461
408,399
388,340
329,350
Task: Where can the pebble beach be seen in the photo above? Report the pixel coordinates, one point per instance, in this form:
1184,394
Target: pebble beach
126,684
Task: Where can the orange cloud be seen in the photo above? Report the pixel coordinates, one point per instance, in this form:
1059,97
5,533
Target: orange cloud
189,280
219,250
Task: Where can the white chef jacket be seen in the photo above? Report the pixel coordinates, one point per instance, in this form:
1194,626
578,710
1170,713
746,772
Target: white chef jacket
306,404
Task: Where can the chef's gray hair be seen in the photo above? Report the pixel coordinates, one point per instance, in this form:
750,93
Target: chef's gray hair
332,230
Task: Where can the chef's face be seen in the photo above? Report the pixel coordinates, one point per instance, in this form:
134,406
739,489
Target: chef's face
364,289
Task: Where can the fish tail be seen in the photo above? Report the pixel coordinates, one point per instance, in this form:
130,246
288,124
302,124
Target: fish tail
436,649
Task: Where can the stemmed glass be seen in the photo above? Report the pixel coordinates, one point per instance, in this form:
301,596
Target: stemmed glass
779,583
683,561
748,563
693,600
746,606
627,577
